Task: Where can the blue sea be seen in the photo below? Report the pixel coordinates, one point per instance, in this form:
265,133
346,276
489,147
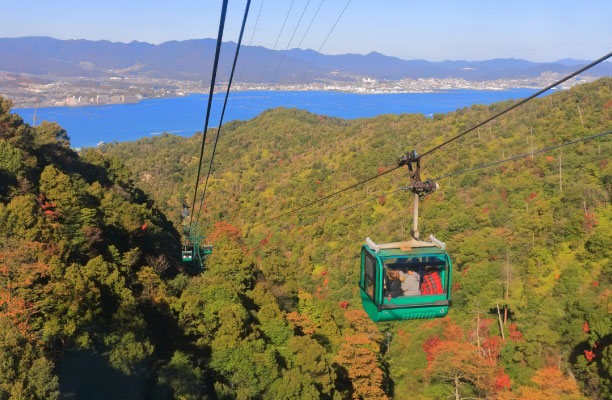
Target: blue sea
87,126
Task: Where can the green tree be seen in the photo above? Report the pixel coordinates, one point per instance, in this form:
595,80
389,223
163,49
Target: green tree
24,372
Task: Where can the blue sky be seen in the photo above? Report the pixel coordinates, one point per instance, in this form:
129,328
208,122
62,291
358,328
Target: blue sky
537,30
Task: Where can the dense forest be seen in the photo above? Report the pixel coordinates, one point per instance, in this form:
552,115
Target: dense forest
96,303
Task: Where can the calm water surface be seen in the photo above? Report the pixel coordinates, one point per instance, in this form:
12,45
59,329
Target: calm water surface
87,126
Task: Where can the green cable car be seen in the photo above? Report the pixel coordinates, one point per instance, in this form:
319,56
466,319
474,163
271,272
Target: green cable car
424,265
187,255
194,249
207,249
406,280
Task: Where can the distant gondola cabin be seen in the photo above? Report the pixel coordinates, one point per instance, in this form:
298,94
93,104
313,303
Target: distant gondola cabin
207,249
187,255
404,282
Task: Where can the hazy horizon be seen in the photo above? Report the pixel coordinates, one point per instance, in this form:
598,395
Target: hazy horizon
473,30
304,49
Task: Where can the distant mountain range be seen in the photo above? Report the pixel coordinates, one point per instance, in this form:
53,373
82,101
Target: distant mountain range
192,59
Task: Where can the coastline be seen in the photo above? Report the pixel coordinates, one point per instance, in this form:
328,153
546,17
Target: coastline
86,125
32,106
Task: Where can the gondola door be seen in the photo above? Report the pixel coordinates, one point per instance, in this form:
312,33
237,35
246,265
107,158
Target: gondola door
371,281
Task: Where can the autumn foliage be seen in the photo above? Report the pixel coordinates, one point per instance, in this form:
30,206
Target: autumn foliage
82,267
453,358
358,355
551,384
224,228
19,272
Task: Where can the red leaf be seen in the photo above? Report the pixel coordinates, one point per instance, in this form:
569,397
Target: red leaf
430,346
515,334
502,381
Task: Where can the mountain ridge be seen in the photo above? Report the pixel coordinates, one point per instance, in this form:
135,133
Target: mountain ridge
191,59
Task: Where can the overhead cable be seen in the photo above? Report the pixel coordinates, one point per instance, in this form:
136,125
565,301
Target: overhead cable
299,45
324,40
290,40
210,97
276,42
523,155
271,53
227,92
248,53
448,141
515,105
325,197
449,175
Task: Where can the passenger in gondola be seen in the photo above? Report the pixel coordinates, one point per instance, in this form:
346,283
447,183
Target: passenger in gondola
410,283
432,282
394,284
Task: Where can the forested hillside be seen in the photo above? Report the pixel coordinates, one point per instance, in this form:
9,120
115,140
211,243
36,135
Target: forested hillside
95,302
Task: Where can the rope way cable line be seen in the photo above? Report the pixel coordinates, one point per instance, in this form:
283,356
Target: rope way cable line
302,78
269,58
229,86
323,198
523,101
267,64
313,18
219,39
210,97
276,42
449,175
299,45
322,44
248,50
263,73
303,37
290,40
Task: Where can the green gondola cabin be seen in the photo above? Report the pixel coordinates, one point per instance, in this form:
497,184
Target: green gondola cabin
423,265
187,255
207,249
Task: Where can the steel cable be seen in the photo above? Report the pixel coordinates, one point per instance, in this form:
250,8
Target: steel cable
229,86
210,97
525,100
405,188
